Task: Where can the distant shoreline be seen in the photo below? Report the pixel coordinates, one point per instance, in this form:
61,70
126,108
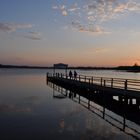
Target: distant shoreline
121,68
23,67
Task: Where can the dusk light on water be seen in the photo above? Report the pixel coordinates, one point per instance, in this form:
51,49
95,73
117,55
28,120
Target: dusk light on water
69,69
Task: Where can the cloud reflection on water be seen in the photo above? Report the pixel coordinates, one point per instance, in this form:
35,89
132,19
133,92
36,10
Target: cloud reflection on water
13,108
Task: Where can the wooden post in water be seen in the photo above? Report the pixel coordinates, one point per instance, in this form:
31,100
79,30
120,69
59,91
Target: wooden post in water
79,98
120,98
124,121
88,104
103,112
138,103
131,101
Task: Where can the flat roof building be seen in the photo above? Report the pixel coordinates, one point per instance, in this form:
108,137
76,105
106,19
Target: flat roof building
60,66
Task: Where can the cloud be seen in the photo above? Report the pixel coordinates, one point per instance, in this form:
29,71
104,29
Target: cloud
12,27
62,8
100,50
74,8
133,6
64,13
94,29
13,108
120,8
33,35
97,50
130,6
92,14
54,7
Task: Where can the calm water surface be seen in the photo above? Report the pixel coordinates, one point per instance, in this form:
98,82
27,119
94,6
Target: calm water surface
29,111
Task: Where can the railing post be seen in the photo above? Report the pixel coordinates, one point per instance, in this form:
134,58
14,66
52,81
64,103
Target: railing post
92,80
112,82
85,78
61,75
89,80
125,84
47,74
79,78
104,83
101,81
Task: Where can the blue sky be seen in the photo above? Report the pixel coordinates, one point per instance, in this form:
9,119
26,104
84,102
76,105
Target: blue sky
77,32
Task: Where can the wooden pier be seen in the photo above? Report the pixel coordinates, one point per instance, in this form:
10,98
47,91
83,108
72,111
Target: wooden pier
101,105
126,90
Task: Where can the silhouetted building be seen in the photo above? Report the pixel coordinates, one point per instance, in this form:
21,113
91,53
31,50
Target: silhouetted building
60,66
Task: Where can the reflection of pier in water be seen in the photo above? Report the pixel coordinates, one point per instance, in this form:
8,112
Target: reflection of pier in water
123,116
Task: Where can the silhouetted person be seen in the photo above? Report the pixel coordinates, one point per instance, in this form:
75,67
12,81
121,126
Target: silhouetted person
75,75
70,74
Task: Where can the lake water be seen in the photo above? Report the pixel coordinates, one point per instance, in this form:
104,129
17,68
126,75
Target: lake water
29,111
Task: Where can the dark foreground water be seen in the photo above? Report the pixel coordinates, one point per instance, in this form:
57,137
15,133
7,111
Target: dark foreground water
28,111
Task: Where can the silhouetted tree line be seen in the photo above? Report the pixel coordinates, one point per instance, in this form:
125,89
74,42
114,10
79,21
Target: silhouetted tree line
134,68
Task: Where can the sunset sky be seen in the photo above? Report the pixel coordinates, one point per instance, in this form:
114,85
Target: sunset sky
76,32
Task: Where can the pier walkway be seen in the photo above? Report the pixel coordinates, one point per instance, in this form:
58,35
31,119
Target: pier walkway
125,89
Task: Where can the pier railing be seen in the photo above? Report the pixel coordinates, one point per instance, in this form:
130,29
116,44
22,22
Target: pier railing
117,120
120,83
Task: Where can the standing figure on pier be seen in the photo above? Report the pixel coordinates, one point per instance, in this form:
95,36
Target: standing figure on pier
75,75
70,74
